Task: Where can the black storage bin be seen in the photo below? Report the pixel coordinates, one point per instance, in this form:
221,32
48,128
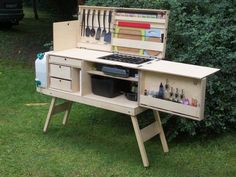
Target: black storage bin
104,86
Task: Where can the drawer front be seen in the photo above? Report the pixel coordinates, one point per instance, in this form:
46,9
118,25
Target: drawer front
65,61
60,71
60,84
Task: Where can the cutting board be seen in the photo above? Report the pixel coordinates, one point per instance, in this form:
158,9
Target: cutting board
129,33
152,35
135,34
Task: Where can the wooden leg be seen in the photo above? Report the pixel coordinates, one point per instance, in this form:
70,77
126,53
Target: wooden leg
67,112
162,134
140,141
50,113
54,109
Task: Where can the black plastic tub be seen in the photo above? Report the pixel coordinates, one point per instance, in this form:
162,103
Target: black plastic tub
104,86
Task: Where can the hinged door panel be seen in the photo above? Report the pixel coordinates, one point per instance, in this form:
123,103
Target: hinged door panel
65,35
174,88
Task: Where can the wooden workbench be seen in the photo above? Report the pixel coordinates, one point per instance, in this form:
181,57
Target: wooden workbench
71,64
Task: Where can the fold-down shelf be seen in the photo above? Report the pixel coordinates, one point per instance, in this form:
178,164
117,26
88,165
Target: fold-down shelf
188,80
179,69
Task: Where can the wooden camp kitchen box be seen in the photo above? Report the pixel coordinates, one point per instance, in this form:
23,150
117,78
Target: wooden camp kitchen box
124,40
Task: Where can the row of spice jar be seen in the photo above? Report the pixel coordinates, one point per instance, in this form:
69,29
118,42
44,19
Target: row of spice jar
171,94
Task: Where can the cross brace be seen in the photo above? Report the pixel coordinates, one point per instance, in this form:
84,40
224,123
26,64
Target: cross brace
54,109
143,135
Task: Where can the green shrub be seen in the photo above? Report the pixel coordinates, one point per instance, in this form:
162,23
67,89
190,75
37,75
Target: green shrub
200,32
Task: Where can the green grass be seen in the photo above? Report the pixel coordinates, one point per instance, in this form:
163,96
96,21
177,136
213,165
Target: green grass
95,142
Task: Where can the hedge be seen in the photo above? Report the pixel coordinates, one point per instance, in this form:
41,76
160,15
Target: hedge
200,32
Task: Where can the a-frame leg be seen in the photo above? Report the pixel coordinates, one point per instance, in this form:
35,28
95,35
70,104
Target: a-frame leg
140,141
162,134
146,133
67,112
54,109
50,112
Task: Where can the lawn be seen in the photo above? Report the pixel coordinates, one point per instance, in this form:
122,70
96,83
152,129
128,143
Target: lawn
95,142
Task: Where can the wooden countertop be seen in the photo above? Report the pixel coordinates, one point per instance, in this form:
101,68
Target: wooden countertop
90,55
161,66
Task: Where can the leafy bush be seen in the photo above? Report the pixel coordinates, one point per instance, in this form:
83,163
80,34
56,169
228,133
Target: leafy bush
200,32
63,10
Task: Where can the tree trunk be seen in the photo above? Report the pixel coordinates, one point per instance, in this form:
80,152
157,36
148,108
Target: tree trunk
34,3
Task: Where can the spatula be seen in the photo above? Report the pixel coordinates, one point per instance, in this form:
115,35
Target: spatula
104,24
92,31
87,28
107,37
98,34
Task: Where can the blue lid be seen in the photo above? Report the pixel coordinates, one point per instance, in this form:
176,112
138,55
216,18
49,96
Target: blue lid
38,83
40,55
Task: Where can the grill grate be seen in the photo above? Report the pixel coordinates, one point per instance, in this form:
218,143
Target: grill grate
126,58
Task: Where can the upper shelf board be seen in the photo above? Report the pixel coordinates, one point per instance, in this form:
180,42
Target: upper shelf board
180,69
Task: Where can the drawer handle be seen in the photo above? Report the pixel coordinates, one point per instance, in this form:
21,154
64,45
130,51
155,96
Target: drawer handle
65,59
60,80
59,66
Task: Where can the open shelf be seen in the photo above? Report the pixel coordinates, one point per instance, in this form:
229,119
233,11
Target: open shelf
192,88
170,107
100,73
120,100
141,19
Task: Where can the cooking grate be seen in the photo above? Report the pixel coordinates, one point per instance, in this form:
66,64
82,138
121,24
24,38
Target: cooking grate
126,58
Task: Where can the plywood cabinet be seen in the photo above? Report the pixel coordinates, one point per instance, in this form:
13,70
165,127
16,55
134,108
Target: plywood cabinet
181,96
64,73
135,40
174,88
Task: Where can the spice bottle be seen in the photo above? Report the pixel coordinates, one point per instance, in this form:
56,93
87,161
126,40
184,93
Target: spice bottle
182,96
171,94
166,94
176,99
161,91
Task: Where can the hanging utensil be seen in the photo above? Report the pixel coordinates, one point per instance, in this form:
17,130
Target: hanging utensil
98,34
92,32
87,28
104,24
83,23
107,37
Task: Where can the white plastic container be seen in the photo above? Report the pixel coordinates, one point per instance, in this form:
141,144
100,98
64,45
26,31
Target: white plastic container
41,70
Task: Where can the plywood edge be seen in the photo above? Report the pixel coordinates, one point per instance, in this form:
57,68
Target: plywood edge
124,8
178,69
139,19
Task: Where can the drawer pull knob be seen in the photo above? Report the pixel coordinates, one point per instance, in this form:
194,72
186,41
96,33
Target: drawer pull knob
65,59
59,80
59,66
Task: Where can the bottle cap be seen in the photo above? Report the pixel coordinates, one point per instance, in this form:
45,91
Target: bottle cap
37,82
40,56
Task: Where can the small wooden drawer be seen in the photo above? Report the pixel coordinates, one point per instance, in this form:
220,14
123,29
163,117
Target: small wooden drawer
65,61
60,84
60,71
